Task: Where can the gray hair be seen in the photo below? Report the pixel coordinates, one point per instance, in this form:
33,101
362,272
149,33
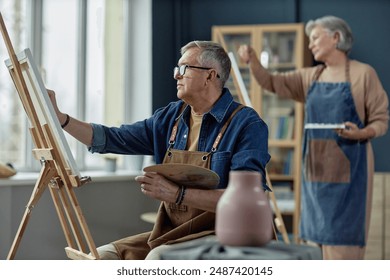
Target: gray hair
212,55
334,25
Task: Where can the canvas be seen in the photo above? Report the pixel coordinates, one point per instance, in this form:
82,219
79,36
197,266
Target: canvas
43,106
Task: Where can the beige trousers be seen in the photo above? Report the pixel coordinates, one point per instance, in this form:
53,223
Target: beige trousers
109,252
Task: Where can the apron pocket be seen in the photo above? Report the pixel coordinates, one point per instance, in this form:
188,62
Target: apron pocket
326,162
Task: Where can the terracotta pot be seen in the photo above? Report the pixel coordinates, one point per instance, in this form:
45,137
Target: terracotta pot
244,215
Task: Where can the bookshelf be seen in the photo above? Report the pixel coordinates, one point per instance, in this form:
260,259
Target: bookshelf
280,48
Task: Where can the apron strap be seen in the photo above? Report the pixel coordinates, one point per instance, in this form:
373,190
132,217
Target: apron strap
318,73
322,67
174,130
347,75
218,139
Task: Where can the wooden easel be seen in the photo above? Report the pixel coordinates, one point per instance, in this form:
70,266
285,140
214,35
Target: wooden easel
278,221
55,174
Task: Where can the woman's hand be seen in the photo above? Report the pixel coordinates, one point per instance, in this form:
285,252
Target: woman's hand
245,53
353,132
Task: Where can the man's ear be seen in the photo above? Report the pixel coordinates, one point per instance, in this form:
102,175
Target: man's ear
212,74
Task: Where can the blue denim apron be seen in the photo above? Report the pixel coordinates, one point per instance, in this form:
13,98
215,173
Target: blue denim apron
334,183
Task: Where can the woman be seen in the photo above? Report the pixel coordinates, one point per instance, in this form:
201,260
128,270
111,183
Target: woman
338,164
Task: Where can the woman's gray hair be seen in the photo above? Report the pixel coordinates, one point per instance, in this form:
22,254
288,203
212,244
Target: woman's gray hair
212,55
334,25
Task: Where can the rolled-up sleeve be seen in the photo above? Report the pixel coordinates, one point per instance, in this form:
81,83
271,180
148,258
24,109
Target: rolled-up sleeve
98,140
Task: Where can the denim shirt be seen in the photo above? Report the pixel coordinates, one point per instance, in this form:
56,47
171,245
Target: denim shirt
244,146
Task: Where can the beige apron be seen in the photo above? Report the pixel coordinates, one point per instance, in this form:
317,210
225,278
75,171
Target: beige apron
175,223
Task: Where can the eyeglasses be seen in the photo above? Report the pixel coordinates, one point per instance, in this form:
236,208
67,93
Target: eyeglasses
181,70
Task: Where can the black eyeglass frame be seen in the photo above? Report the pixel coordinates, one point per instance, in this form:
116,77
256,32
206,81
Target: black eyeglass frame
181,70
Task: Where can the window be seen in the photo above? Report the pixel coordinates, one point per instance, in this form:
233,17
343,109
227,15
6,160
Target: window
79,46
60,56
13,119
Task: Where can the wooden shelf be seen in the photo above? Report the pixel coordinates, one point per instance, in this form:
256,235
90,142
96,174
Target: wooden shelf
282,143
281,177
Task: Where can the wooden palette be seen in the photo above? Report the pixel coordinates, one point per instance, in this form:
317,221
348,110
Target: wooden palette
186,174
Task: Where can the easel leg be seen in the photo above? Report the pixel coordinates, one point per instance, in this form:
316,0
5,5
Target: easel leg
83,225
279,219
72,221
40,186
62,216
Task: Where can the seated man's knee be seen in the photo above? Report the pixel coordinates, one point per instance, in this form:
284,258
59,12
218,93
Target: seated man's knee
108,252
155,254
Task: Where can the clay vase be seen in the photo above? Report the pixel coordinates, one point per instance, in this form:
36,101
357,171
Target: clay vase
244,215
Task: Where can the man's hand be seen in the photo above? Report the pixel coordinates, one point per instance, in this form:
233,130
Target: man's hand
61,116
158,187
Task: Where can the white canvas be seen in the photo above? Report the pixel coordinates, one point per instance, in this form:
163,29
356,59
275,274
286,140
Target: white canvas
43,106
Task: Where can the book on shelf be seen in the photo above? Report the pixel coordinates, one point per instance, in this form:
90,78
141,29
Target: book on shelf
284,195
281,161
287,163
280,121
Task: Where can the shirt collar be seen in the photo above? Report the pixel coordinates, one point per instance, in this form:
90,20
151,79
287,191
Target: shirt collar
222,105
